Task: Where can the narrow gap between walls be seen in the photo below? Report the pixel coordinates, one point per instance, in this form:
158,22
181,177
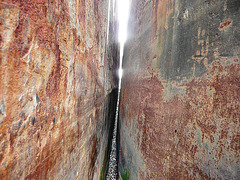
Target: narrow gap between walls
123,12
112,173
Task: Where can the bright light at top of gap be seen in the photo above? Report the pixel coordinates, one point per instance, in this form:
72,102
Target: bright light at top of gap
123,13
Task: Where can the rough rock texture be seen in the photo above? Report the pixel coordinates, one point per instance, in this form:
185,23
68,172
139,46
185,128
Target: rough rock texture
180,100
57,63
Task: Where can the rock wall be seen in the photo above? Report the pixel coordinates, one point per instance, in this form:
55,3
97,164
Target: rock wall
180,99
57,68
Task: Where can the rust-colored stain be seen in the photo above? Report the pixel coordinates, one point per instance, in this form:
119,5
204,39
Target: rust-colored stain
175,136
225,24
180,104
53,88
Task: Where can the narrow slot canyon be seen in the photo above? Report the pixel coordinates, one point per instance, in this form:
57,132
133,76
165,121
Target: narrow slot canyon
119,89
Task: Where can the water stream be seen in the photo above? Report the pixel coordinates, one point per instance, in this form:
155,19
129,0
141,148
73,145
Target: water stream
123,13
112,172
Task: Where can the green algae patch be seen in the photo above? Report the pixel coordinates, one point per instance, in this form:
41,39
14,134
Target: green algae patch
104,166
125,175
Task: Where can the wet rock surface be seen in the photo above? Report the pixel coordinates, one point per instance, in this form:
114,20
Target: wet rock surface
179,112
57,71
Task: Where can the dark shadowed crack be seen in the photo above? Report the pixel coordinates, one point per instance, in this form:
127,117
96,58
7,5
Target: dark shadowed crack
112,170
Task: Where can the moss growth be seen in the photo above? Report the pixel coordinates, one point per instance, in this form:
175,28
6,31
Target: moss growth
104,167
125,175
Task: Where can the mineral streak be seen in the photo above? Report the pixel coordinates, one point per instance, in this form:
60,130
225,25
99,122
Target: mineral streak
180,100
57,68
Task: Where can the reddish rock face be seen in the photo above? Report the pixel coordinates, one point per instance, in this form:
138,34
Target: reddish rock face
180,98
57,70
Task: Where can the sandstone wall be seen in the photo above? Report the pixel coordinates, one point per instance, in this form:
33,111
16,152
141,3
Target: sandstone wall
57,68
180,100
